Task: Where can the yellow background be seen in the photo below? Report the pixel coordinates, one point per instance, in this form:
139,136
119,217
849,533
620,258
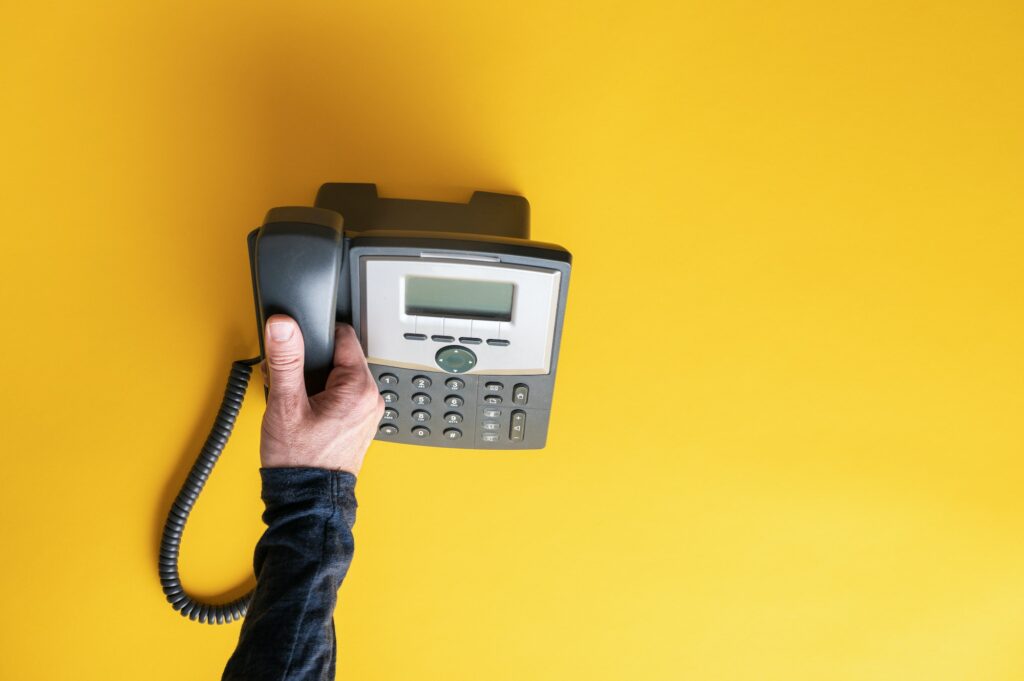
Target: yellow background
787,434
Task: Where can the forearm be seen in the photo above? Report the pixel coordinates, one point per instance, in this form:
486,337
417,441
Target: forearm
300,562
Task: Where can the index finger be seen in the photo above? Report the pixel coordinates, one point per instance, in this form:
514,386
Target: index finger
348,352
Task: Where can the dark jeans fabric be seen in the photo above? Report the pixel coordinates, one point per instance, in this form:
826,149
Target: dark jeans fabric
288,633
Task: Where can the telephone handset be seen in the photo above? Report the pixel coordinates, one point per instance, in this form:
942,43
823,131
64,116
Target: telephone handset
459,314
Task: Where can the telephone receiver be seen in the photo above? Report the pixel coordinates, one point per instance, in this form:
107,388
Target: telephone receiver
459,313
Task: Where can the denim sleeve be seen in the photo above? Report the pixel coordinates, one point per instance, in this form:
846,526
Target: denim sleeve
288,633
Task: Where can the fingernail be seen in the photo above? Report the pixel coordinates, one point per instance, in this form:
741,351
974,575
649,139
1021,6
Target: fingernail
281,331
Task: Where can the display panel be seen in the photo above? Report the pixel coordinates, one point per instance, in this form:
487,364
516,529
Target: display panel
463,298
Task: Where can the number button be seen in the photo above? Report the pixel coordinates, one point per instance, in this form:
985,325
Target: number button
492,399
521,393
388,379
453,417
421,431
389,415
389,397
421,399
421,382
388,429
453,433
454,401
455,384
421,416
494,387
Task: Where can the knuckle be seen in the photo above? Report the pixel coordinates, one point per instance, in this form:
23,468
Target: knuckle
284,362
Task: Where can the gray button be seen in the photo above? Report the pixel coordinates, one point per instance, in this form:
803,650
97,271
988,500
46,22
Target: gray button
388,429
421,399
521,393
453,433
420,416
453,417
388,379
442,339
517,429
455,359
455,384
489,437
492,399
421,431
389,415
415,336
421,382
469,340
490,425
492,413
389,397
493,387
454,401
501,342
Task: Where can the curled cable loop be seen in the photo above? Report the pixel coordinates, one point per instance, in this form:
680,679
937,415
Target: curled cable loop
174,526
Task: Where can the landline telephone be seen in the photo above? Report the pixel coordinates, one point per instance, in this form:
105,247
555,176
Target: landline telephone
459,314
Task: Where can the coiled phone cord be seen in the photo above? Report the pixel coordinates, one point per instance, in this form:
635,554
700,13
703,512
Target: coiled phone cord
170,543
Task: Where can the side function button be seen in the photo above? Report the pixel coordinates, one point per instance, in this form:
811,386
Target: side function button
421,431
420,416
389,415
491,413
442,339
470,340
492,399
421,382
520,393
421,399
388,429
454,401
415,336
490,425
517,429
489,437
388,379
455,384
501,342
453,417
453,433
494,387
389,397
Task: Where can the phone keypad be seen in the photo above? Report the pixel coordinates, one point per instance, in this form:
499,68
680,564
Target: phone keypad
475,412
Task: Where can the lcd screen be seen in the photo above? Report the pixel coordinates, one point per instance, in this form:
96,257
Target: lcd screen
462,298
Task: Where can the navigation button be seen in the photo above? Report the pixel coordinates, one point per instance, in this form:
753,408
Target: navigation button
455,359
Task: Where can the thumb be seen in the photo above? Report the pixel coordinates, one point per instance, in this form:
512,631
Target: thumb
282,341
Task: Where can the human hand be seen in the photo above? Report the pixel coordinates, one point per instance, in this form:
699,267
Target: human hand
331,429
